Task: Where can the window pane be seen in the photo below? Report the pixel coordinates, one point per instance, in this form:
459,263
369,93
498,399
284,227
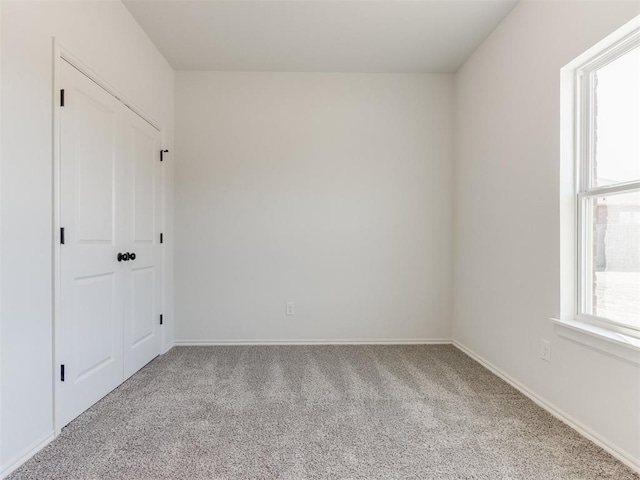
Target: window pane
615,275
617,121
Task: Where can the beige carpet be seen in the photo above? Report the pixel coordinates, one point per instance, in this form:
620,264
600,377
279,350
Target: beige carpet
311,412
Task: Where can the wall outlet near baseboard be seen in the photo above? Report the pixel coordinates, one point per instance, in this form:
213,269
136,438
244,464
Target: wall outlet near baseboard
545,350
291,308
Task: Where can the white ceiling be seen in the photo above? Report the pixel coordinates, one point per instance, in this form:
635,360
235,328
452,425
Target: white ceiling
433,36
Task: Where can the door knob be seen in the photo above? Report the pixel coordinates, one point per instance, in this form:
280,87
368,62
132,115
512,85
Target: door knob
125,257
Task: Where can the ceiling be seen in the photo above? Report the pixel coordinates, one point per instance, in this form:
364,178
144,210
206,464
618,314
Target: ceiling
431,36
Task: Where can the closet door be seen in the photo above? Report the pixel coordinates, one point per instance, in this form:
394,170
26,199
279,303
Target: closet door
142,285
89,343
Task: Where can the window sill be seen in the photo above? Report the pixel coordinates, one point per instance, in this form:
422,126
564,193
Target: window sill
612,343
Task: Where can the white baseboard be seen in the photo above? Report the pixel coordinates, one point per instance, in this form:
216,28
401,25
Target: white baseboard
582,429
408,341
26,454
167,348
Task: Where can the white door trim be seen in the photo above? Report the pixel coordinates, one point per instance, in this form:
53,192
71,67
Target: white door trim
65,54
60,54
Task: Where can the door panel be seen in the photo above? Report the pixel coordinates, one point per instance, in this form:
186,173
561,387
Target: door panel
95,167
142,297
89,330
143,319
92,321
145,158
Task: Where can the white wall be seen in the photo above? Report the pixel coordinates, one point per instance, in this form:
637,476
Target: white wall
507,225
105,36
330,190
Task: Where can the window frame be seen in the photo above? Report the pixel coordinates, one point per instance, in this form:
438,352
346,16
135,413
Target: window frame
585,191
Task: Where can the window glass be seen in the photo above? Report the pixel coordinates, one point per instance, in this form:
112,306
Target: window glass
614,270
616,112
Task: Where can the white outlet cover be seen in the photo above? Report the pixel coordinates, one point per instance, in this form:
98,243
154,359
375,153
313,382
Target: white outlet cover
545,351
291,308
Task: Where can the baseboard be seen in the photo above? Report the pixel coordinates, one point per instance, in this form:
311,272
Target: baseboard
167,348
413,341
582,429
27,453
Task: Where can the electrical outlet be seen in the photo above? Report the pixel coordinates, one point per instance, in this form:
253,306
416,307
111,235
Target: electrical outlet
545,352
291,308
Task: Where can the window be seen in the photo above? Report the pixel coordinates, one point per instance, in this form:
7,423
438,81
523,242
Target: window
608,188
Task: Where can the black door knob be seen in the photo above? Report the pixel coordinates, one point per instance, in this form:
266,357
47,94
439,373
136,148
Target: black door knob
132,256
125,257
120,257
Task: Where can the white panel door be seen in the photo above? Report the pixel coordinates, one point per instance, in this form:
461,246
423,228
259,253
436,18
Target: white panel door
90,328
142,288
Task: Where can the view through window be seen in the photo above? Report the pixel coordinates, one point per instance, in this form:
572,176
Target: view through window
610,192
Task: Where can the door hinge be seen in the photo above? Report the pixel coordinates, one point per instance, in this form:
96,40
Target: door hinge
61,235
160,319
161,238
162,152
62,372
62,97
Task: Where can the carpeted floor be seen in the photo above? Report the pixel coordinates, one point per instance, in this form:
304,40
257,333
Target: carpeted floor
309,412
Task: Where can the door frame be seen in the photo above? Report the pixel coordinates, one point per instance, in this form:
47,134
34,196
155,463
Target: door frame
61,54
